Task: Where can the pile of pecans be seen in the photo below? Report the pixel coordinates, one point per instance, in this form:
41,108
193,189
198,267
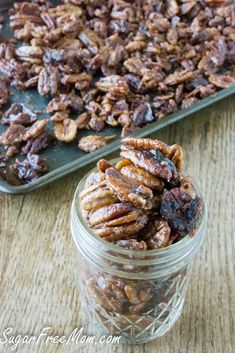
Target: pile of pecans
115,63
143,202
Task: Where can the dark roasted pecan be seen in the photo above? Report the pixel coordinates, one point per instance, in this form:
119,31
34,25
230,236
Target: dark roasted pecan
181,207
142,115
31,168
35,145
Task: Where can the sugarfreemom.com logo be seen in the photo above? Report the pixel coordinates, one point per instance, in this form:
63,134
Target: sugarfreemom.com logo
77,336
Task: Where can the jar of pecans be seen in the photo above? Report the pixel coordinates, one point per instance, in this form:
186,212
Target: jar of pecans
138,225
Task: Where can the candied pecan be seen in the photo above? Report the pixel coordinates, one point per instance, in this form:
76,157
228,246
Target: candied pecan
4,94
31,168
173,152
132,244
142,114
123,231
93,142
66,130
178,77
83,81
59,116
90,39
134,65
151,78
35,130
181,207
107,291
96,197
120,221
11,151
52,56
82,120
48,81
19,114
129,190
172,8
13,135
96,123
222,81
137,295
32,82
144,177
13,70
63,102
7,50
108,213
94,178
35,145
153,161
102,165
29,53
114,84
188,102
161,236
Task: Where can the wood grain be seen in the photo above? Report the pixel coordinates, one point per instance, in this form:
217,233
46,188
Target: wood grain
38,260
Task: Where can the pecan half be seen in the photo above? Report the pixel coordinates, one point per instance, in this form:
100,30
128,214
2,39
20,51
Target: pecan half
66,130
48,81
161,236
142,176
173,152
152,161
94,142
97,196
124,231
129,190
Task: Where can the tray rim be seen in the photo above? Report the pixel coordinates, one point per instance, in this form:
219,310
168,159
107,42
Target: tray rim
113,146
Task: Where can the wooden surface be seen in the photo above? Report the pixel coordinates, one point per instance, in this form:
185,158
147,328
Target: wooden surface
38,259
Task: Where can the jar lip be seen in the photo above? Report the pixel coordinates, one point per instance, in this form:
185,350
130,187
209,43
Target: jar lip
118,249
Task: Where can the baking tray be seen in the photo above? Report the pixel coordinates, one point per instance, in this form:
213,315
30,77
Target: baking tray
64,159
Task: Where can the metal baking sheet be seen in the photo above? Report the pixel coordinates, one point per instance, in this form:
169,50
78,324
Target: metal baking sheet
64,159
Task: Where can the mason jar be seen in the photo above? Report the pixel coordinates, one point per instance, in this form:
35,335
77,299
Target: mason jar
137,295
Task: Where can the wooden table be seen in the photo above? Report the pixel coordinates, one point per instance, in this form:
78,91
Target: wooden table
38,259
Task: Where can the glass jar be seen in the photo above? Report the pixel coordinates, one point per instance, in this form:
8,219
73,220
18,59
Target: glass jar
137,295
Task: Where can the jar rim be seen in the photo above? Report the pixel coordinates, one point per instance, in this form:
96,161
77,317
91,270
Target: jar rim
124,251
